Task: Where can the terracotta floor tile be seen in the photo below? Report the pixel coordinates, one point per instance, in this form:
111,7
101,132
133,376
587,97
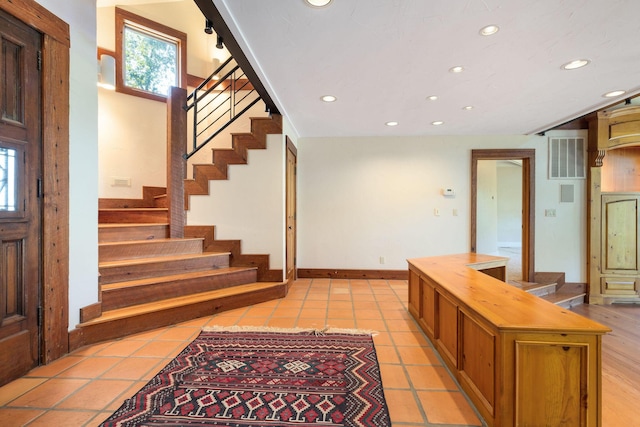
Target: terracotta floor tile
95,395
382,338
121,348
393,376
340,313
401,324
259,312
341,323
387,354
63,418
133,368
418,356
173,334
341,305
17,388
374,324
106,374
317,313
403,407
310,323
91,367
448,408
158,349
282,322
55,367
428,377
11,417
48,394
371,313
413,338
252,321
222,321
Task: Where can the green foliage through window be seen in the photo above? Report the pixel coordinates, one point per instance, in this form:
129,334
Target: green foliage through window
150,62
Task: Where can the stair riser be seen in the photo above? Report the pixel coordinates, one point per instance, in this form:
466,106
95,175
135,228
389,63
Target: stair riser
90,334
121,234
130,216
126,297
148,249
113,274
543,290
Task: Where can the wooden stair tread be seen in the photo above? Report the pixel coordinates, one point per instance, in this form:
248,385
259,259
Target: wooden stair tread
122,313
175,277
560,297
138,261
131,224
150,241
133,209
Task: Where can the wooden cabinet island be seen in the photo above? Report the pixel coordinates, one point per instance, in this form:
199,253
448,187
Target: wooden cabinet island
523,361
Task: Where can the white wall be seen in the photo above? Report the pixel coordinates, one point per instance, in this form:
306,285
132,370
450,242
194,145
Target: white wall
509,184
362,198
487,208
250,204
83,153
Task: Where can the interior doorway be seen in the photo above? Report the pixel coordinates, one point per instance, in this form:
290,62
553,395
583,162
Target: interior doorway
492,224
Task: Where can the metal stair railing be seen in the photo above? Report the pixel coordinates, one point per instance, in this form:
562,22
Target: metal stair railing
217,103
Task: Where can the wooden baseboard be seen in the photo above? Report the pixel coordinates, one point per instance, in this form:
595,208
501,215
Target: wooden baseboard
333,273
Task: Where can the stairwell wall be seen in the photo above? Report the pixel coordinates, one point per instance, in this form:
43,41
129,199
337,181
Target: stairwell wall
249,205
361,199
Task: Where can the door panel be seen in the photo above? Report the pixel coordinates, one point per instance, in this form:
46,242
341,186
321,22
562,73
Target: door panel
20,217
291,211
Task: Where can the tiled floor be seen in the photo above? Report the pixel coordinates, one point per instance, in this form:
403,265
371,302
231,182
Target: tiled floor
86,386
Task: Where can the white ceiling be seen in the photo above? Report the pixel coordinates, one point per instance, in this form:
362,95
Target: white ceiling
383,58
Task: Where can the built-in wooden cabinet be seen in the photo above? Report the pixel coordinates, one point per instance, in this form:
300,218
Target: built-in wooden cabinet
614,194
522,360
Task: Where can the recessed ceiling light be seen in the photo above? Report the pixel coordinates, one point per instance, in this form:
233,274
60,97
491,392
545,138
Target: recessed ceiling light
489,30
578,63
437,123
456,69
329,98
468,107
391,123
317,3
614,93
432,98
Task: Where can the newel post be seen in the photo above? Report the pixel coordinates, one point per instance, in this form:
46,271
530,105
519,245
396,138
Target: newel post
176,164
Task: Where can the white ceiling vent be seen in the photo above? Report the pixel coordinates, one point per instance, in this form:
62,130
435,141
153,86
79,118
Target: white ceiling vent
567,158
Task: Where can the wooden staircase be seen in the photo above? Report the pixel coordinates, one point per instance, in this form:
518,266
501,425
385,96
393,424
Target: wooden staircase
552,287
148,280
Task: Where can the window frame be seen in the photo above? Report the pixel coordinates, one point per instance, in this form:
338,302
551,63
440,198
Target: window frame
124,17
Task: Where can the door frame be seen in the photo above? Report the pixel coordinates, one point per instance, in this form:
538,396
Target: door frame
528,157
54,300
291,212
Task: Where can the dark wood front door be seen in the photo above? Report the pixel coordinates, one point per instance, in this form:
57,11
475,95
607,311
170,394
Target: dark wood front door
291,211
20,214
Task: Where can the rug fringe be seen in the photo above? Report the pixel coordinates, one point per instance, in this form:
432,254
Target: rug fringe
317,332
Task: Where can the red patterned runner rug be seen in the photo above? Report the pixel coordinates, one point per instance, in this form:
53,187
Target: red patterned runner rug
248,378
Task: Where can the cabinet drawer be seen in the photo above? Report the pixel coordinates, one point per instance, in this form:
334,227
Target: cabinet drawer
619,285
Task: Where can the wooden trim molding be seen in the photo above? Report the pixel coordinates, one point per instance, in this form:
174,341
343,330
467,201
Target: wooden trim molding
55,143
330,273
528,157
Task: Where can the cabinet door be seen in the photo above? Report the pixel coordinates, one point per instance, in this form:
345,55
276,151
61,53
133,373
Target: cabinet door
620,233
551,384
447,329
414,294
428,318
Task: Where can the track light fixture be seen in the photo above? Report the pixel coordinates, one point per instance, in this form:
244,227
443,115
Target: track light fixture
219,42
208,26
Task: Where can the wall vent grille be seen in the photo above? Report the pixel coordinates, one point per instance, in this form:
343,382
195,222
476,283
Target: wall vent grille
567,158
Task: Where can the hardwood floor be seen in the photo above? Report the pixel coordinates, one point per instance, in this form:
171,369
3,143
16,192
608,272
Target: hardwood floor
620,361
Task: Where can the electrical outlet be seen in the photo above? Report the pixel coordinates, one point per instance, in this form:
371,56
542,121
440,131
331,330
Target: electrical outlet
381,260
550,212
436,212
